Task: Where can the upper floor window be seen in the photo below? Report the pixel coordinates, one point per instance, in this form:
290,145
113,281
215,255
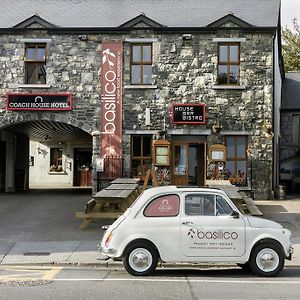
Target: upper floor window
228,63
141,63
35,64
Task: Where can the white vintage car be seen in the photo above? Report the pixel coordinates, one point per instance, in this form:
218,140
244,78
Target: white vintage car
194,225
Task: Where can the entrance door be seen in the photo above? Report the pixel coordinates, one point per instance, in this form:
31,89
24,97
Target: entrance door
188,164
82,167
209,229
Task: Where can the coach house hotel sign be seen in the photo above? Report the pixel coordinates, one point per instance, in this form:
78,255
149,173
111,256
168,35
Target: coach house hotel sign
188,114
111,100
22,101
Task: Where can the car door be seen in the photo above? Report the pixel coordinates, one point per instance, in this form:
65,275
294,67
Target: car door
208,228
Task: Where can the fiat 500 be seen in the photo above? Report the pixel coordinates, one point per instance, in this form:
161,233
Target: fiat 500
194,225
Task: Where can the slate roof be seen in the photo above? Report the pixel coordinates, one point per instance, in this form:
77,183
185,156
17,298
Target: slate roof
113,13
291,91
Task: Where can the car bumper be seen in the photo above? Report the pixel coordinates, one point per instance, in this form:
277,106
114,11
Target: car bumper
110,252
291,251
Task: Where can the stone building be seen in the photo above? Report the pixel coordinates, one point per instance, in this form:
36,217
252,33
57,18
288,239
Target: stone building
290,132
189,88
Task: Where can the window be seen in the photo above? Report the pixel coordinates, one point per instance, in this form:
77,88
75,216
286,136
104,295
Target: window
56,160
141,160
164,206
228,63
161,153
35,64
236,159
200,205
206,205
295,129
141,63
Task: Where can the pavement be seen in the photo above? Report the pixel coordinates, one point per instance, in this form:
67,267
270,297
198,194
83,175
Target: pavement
39,227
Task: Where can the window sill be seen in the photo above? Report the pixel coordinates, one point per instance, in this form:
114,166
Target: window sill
58,173
140,86
228,87
34,86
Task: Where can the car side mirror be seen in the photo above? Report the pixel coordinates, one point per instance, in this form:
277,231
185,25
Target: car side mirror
235,214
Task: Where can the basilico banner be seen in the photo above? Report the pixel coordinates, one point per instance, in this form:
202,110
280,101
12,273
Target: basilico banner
111,100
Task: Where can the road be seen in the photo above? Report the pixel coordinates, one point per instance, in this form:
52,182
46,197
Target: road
92,282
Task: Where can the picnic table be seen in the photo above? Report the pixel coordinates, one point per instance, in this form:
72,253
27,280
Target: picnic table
110,202
241,200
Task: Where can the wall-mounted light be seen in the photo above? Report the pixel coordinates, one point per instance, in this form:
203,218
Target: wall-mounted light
83,38
187,36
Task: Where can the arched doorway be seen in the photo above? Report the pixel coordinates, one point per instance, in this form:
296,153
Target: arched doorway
51,152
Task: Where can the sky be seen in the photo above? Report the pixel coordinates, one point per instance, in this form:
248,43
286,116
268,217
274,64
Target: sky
289,9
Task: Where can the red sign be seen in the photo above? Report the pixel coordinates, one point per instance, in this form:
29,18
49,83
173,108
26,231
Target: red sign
41,101
111,99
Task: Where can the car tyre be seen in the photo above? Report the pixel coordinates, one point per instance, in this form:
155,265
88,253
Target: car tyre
140,259
266,260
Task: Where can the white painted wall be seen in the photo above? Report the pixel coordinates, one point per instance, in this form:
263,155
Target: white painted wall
39,173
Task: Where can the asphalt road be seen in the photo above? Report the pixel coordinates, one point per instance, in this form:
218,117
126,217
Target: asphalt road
90,282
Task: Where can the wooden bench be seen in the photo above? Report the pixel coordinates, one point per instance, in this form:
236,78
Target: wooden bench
110,202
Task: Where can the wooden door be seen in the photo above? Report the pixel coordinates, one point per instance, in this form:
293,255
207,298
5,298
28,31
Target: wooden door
188,164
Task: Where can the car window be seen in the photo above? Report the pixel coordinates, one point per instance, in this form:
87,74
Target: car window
200,205
223,208
163,206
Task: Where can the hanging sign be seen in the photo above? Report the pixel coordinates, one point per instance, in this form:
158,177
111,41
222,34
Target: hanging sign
188,114
111,100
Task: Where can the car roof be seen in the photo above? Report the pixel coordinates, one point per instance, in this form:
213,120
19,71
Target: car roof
174,189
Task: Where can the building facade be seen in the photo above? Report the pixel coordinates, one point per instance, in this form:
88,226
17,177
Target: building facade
190,90
290,132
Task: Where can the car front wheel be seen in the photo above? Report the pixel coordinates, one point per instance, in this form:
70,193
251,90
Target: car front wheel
140,259
266,260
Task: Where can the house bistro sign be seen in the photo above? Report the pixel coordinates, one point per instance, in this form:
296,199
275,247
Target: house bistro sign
22,101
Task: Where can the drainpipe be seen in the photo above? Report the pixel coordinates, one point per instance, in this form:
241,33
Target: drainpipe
95,155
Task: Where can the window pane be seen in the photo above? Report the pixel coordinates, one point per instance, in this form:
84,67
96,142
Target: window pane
136,168
56,159
165,206
136,146
234,74
241,147
42,74
222,74
136,53
135,74
234,53
31,73
230,147
180,160
223,53
147,146
192,205
147,74
230,169
223,208
30,54
40,54
147,54
241,168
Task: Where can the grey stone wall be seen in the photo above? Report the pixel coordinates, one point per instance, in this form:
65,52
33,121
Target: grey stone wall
183,71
